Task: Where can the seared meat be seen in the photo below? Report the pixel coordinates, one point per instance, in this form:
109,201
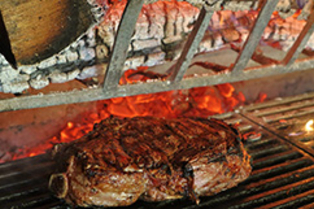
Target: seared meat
153,159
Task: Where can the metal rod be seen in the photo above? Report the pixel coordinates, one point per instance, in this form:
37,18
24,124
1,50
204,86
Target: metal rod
255,35
191,45
121,44
35,101
301,41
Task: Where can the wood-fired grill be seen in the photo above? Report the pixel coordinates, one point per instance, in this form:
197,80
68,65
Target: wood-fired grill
283,158
282,176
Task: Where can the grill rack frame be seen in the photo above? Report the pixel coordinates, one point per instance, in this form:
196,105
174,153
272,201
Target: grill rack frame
237,72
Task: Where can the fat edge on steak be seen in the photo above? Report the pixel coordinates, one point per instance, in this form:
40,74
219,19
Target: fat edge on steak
153,159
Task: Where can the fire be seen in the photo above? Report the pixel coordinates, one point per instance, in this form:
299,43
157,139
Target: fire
196,102
309,126
261,97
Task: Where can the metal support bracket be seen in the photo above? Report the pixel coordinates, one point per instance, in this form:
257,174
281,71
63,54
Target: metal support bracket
255,35
191,45
121,44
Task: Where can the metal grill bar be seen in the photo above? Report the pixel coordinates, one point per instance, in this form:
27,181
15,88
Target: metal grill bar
121,45
287,119
272,103
309,206
192,43
301,41
255,35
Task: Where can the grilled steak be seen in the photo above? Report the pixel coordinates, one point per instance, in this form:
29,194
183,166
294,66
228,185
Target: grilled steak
152,159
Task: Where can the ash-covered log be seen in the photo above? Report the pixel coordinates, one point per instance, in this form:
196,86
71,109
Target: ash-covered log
40,29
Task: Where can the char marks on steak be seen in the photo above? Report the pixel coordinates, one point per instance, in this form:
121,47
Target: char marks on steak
152,159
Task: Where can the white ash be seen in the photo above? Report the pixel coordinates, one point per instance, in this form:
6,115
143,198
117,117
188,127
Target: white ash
61,59
87,54
73,74
28,69
92,2
133,62
156,30
171,39
3,61
7,73
141,29
15,87
204,45
107,34
238,6
21,78
81,43
58,77
71,56
91,38
284,6
90,71
155,58
98,13
39,82
138,45
49,62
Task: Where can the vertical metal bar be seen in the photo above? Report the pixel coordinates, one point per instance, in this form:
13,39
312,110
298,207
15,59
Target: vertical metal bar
121,45
301,41
255,35
191,45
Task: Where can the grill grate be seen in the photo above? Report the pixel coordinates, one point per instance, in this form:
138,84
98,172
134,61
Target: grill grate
287,119
282,177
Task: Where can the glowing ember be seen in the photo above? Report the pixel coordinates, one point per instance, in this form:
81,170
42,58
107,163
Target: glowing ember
261,97
309,126
197,102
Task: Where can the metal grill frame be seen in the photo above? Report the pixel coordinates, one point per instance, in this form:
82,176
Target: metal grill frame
237,72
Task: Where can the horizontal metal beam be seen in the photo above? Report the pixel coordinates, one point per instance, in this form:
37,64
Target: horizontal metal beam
36,101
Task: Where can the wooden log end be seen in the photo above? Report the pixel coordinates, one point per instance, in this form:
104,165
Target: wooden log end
38,29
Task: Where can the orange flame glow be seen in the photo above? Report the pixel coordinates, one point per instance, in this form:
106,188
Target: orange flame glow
309,126
196,102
